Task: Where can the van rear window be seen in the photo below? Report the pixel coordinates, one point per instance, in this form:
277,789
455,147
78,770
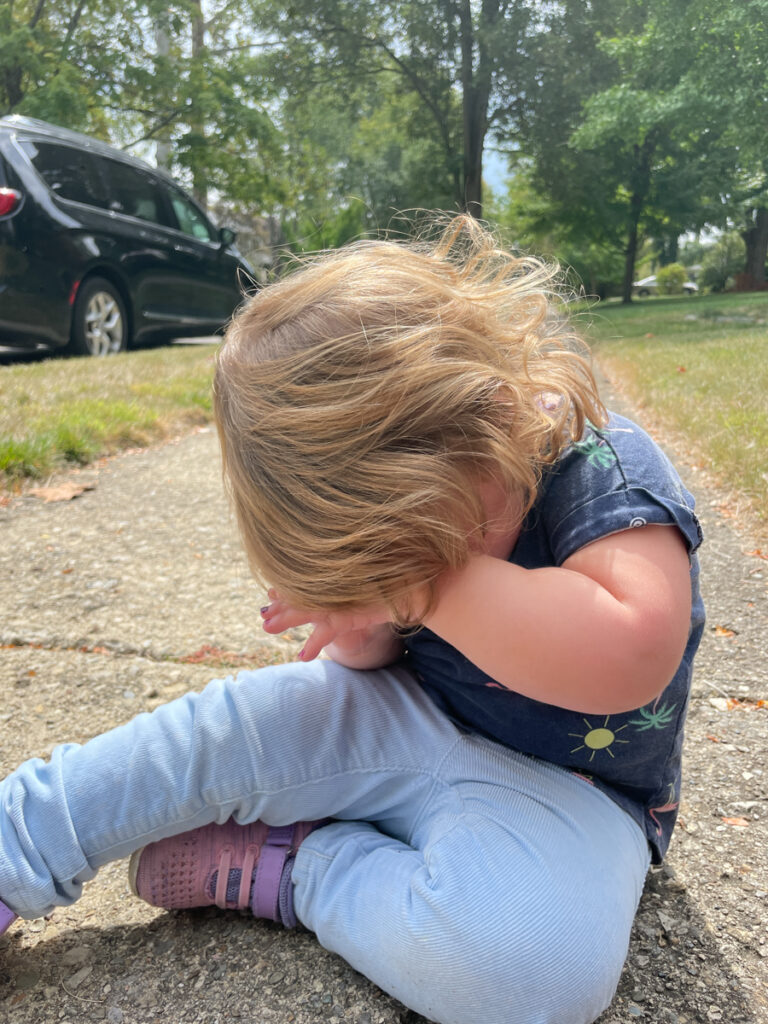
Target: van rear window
69,173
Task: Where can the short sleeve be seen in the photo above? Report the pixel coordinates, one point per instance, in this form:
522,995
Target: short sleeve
614,479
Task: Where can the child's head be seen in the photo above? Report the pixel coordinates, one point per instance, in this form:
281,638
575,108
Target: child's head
361,399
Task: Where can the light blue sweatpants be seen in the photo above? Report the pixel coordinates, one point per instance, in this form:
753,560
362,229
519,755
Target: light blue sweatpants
476,885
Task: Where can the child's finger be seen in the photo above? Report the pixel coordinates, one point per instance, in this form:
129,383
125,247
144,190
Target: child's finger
276,622
320,637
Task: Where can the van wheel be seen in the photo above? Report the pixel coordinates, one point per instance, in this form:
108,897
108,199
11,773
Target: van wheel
99,323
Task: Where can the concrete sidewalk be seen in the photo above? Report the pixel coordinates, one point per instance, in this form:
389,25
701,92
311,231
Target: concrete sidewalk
136,591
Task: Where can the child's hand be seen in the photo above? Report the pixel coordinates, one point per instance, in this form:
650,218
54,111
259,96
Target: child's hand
349,632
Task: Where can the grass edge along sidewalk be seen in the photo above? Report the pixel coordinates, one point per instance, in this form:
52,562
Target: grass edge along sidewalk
62,412
697,369
694,367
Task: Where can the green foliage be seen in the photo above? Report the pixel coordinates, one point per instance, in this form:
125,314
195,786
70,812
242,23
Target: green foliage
57,59
692,251
630,131
463,65
528,221
670,279
629,119
721,261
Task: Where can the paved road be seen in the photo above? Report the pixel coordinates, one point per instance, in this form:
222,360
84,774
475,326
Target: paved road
136,591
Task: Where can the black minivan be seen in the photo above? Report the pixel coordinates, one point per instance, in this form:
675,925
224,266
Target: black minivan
99,251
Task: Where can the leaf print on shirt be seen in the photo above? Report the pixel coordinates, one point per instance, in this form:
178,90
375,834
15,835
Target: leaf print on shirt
597,452
653,717
598,737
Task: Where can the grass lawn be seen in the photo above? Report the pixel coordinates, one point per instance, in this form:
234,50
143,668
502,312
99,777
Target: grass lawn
699,366
61,411
695,366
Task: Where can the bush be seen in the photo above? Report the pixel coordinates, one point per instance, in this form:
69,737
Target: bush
722,261
670,279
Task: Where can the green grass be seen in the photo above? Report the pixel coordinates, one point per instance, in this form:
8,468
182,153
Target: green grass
70,411
698,367
695,366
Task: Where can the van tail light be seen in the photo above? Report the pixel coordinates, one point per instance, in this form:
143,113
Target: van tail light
9,200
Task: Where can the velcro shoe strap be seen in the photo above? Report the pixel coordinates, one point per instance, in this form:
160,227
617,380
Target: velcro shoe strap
269,870
7,917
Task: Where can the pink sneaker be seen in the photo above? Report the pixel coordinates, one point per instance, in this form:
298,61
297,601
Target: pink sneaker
7,917
230,866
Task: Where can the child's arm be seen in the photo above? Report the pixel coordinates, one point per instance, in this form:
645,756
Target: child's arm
602,634
374,647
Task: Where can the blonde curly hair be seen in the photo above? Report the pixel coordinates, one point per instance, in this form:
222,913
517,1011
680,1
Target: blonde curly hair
361,399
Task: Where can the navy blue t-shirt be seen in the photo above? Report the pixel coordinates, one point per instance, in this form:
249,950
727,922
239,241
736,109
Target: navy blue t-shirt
613,479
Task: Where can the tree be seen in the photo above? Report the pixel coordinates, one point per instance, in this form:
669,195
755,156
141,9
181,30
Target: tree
722,261
619,140
704,61
464,62
733,42
528,221
198,95
57,58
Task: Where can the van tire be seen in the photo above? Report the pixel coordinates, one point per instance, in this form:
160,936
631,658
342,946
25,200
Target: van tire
99,320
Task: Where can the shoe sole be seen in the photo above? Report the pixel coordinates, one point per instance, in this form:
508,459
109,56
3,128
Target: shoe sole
133,870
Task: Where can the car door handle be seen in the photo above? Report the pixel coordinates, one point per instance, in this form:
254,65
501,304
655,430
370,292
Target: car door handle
187,251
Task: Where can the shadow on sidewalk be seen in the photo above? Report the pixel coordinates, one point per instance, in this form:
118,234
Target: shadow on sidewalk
212,966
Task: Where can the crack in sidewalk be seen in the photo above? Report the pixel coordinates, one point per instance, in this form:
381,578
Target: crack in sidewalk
207,655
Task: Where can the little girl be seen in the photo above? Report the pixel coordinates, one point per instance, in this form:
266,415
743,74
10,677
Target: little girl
462,798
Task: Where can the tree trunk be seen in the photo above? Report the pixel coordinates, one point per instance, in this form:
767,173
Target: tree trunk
630,258
12,88
756,241
163,44
197,120
476,80
641,181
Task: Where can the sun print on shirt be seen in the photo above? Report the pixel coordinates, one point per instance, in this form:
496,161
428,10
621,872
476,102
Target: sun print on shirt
598,738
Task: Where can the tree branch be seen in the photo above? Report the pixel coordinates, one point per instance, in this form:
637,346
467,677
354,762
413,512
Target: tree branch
71,27
37,15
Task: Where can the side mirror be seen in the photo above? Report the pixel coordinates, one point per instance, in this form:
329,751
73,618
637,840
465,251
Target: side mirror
227,236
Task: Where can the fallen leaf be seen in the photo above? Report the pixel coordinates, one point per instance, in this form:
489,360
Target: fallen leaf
738,822
734,704
681,369
723,631
758,553
61,492
217,657
713,738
